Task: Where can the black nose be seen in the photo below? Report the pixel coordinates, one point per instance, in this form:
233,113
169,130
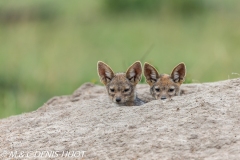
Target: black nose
162,98
118,99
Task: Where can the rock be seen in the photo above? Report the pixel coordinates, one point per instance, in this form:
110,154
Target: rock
203,123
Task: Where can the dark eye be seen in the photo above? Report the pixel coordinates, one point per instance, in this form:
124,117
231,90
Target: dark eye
112,90
171,90
126,90
157,89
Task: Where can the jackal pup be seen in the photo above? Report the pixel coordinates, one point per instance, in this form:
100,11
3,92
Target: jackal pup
121,87
163,85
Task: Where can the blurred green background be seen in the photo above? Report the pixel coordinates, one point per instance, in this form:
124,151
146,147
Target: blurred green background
49,48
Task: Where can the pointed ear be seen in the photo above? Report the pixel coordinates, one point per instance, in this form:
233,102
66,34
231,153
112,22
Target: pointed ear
134,72
105,73
178,74
150,73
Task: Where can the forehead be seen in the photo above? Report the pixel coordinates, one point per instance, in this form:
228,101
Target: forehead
164,80
119,80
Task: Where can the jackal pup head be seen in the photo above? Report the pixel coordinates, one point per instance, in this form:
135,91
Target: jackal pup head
163,86
121,87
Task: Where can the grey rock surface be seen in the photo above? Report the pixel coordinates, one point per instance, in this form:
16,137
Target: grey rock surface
203,123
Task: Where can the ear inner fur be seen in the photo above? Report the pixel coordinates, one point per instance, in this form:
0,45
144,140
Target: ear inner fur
134,72
179,72
150,73
104,72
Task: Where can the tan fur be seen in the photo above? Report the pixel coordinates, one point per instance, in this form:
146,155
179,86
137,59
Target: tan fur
164,86
121,87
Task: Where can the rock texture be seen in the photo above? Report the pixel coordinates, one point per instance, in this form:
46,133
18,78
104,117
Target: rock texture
203,123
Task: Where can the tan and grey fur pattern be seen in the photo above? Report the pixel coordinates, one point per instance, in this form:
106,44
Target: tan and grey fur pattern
164,86
121,87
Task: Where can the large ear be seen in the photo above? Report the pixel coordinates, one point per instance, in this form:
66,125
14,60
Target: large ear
134,72
150,73
105,73
178,74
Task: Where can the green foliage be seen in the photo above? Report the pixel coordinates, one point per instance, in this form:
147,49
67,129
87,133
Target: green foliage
43,11
132,5
186,7
154,6
57,50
